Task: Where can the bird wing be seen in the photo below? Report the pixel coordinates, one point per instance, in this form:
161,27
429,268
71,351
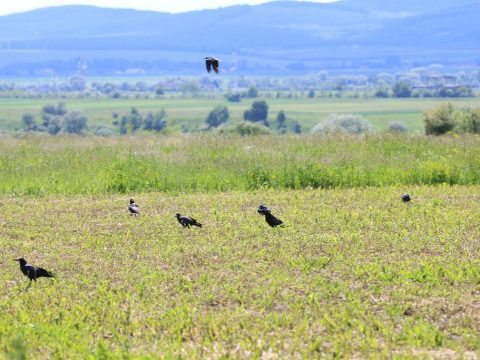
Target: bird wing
133,208
185,220
272,220
42,272
208,64
25,269
215,65
29,270
277,221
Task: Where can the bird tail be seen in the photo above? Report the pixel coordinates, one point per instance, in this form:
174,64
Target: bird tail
42,272
198,224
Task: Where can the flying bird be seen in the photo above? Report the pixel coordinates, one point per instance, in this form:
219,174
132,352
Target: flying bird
133,208
33,272
186,221
269,218
211,62
406,198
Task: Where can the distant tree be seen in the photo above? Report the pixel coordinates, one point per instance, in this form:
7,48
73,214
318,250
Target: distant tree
50,109
297,128
155,121
131,122
52,116
74,123
124,125
402,89
281,120
439,120
135,119
28,121
54,125
78,83
233,97
141,86
460,91
382,93
252,92
190,87
160,92
311,94
257,113
148,122
217,116
159,120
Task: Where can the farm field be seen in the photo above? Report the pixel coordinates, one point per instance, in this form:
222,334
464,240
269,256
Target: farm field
190,114
355,273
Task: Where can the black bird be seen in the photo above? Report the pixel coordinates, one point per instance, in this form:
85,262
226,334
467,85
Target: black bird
211,62
33,272
186,221
269,218
133,208
406,198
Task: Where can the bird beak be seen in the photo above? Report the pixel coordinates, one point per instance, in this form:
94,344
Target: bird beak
17,259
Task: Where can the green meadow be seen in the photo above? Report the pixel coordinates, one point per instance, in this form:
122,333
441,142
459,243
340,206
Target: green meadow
355,273
41,164
190,113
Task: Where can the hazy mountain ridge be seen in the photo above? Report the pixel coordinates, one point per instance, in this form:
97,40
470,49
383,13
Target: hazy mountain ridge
368,27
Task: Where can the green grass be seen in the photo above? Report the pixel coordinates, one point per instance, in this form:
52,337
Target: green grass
41,165
354,274
191,113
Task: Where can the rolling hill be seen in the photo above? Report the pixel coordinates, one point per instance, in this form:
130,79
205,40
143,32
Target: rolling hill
276,37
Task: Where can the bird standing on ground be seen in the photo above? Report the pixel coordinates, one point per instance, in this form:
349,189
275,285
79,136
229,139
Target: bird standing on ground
133,208
186,221
406,198
33,272
269,218
211,62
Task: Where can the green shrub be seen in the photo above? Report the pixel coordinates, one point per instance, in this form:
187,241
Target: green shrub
343,123
439,120
245,128
467,121
396,128
217,116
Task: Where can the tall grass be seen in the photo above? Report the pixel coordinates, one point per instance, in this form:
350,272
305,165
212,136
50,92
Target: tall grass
38,165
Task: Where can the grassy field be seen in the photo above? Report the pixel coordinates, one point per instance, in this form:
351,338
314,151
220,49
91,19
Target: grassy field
41,165
355,273
191,113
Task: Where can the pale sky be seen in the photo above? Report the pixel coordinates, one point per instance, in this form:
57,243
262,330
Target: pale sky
8,7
